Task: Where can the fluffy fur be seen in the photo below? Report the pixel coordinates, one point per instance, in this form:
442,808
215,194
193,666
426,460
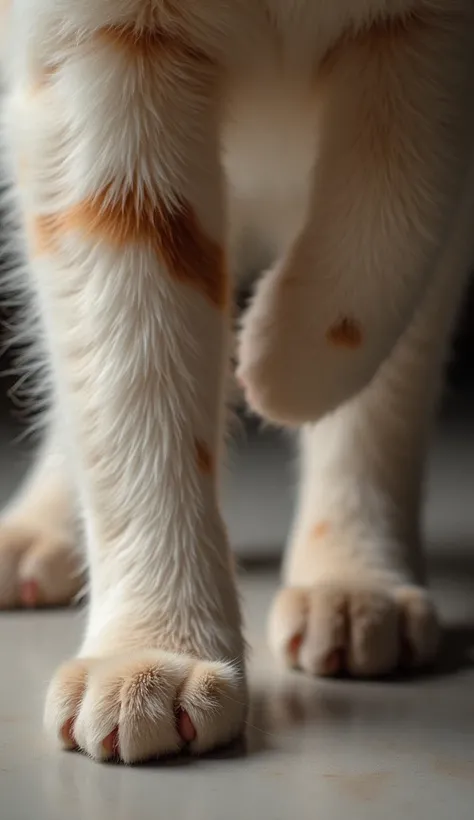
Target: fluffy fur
137,133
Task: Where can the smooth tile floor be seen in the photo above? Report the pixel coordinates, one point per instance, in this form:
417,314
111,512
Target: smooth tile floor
314,749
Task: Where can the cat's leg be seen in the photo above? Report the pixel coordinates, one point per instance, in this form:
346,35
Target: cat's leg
115,113
40,559
395,137
354,595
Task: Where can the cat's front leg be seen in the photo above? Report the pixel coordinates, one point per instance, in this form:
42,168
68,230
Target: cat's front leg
116,129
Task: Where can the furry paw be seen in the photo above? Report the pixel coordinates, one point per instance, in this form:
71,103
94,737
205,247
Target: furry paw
364,631
38,567
145,704
298,361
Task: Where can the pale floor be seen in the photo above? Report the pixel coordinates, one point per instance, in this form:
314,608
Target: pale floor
316,750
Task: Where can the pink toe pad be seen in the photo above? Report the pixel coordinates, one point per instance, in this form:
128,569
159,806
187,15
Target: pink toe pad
186,730
110,744
29,593
67,734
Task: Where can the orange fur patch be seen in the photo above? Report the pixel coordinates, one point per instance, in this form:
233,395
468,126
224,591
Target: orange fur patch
176,236
321,529
345,333
204,457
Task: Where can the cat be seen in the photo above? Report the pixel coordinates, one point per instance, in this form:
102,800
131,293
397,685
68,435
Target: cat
151,146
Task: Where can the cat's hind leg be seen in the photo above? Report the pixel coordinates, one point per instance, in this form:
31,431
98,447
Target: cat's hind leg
355,597
395,134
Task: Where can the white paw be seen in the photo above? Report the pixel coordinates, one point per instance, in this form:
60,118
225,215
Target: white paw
38,567
365,631
145,704
297,361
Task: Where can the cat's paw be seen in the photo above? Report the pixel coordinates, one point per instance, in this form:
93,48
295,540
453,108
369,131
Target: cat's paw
364,631
145,704
296,360
38,566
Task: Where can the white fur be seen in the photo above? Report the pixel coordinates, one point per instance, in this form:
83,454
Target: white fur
350,159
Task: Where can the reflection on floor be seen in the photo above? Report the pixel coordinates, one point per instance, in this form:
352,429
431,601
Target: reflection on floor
314,749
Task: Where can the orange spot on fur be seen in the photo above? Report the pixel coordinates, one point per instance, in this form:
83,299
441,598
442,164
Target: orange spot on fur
321,529
175,235
204,457
345,333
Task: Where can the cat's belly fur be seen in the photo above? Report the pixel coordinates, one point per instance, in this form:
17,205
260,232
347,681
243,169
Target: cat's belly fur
270,145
